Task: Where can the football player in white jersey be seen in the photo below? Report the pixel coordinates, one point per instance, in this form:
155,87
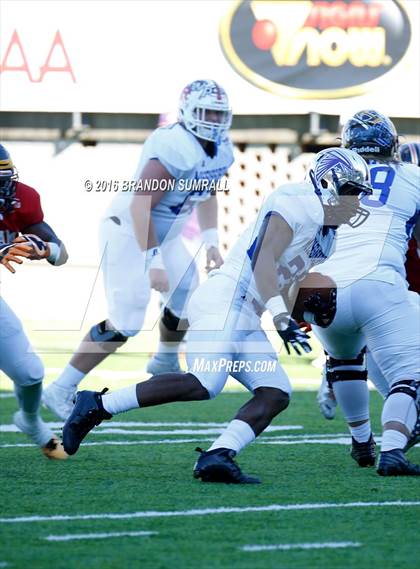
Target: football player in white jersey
374,307
408,152
141,237
294,231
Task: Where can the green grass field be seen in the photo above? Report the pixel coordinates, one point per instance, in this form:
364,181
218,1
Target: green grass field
312,493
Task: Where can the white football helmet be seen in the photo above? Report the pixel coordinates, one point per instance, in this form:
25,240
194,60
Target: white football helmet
204,110
338,172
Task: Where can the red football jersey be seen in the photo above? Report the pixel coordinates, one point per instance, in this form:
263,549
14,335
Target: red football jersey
412,266
29,213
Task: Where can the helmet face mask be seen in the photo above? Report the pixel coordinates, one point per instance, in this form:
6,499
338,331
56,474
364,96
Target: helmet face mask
410,152
204,110
370,132
340,178
8,180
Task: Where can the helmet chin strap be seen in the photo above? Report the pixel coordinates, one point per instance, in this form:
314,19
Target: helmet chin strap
314,183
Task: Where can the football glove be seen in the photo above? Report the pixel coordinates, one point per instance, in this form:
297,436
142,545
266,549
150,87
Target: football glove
323,311
13,253
291,334
39,249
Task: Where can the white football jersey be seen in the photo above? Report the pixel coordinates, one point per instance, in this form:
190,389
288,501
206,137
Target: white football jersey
301,208
376,250
183,156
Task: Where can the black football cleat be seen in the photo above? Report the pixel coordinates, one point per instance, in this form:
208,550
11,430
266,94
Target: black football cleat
218,466
394,463
363,453
88,412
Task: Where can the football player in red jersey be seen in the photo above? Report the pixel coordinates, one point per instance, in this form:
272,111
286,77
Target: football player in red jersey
410,152
24,234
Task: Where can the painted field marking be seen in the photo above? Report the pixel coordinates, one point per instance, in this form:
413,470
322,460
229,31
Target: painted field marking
123,443
289,546
11,427
267,441
4,564
343,441
75,536
207,511
198,432
6,396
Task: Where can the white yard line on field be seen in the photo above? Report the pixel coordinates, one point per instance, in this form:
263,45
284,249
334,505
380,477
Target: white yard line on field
198,432
207,511
288,546
123,443
108,427
264,441
75,536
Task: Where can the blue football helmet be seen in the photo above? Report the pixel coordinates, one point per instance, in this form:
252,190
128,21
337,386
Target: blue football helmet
410,152
8,180
369,132
336,174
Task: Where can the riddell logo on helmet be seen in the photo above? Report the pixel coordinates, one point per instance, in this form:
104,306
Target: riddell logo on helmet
315,48
367,150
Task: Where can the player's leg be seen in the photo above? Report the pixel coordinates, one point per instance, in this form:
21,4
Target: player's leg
91,407
25,369
127,292
391,325
173,325
255,365
347,376
376,376
326,399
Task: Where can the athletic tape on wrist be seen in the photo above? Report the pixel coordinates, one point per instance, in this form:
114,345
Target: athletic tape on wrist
276,305
55,251
154,259
210,238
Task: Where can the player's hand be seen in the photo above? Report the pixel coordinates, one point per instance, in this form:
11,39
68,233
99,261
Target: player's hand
291,334
214,259
159,280
39,249
14,253
323,312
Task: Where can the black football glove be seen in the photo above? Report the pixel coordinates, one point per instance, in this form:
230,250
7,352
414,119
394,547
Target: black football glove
323,312
290,333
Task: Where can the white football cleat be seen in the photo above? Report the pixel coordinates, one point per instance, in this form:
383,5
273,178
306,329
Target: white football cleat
326,400
41,435
59,400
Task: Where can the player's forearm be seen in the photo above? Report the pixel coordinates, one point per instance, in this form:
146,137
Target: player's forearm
207,214
144,229
265,275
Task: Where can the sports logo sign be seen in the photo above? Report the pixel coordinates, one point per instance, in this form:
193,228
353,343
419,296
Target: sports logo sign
315,48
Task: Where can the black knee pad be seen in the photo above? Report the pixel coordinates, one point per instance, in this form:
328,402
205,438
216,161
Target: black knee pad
99,333
409,387
172,322
342,370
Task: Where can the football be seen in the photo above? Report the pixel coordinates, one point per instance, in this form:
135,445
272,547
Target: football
302,290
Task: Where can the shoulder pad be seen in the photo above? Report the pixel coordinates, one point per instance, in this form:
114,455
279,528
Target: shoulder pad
176,148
